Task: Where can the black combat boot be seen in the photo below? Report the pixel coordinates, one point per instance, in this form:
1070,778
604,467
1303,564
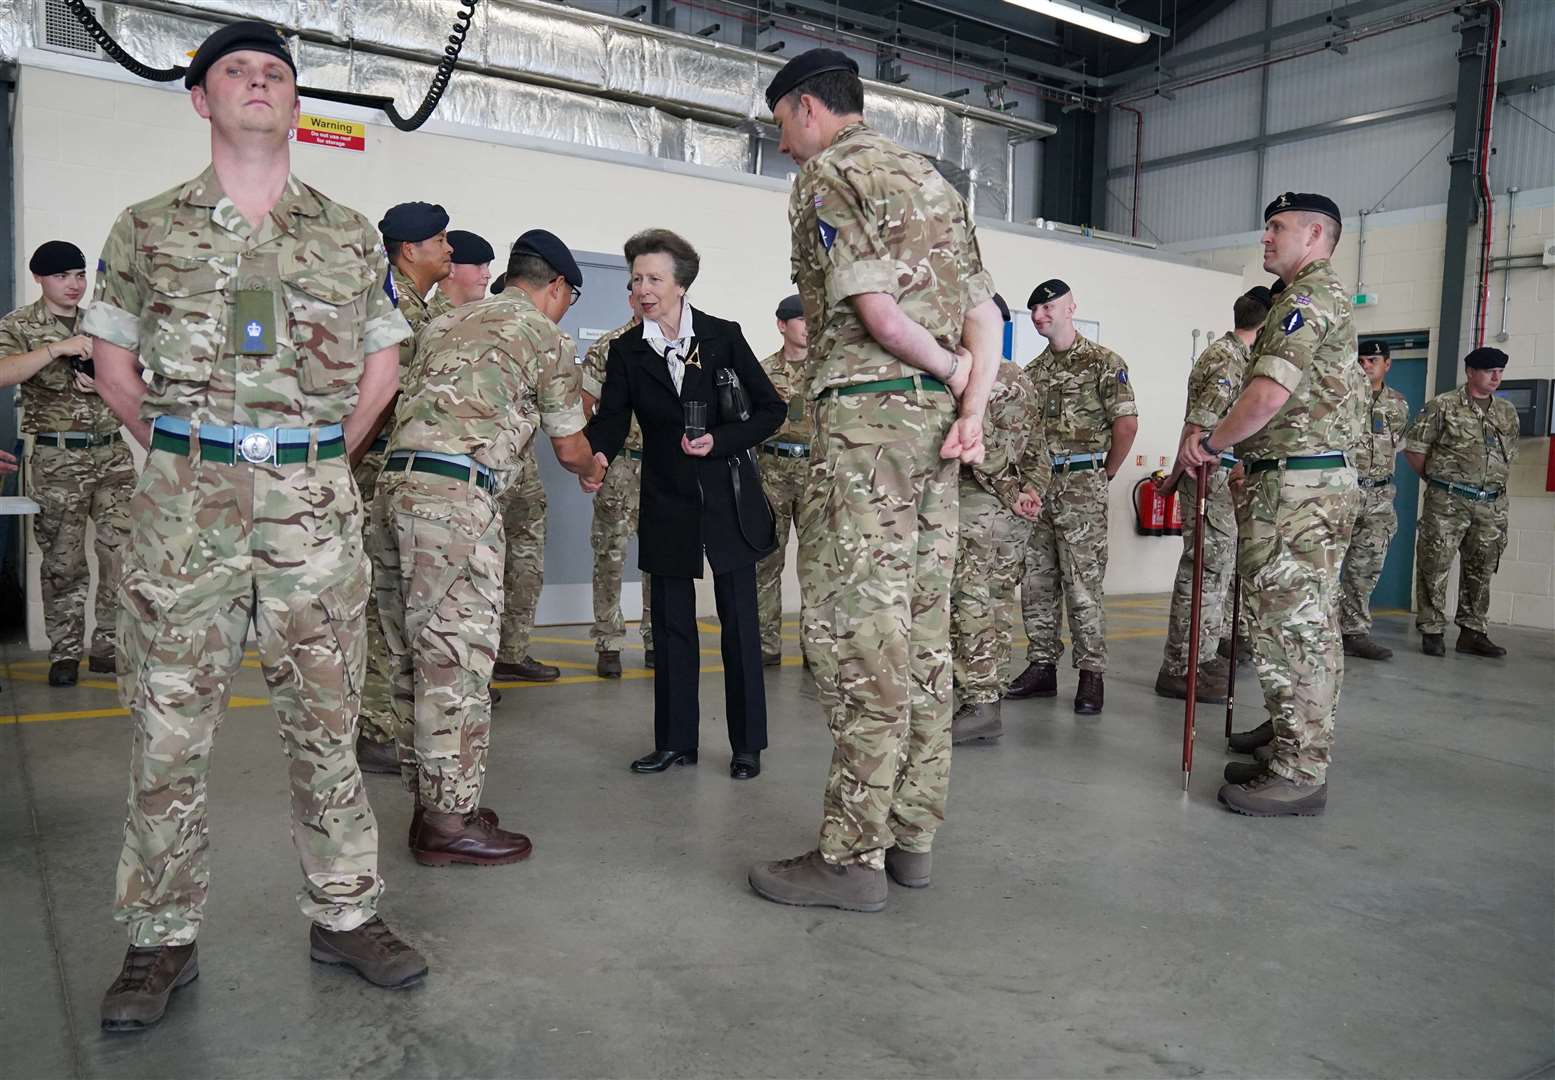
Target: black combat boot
1433,645
1475,643
1088,698
1038,680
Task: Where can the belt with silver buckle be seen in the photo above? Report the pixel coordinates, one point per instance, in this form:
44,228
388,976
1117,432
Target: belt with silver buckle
257,446
786,450
1366,482
1466,490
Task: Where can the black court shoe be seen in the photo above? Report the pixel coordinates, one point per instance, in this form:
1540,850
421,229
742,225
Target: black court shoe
745,765
660,760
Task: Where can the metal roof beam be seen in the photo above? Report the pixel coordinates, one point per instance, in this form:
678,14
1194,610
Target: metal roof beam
1338,18
1327,127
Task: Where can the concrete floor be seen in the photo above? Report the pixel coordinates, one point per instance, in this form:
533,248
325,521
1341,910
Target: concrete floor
1086,918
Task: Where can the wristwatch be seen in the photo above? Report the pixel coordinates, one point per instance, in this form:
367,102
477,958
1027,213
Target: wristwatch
1204,442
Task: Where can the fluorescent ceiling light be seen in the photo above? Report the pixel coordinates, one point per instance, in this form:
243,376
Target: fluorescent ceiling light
1100,20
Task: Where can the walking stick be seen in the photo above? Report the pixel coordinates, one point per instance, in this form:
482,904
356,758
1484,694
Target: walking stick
1195,615
1236,618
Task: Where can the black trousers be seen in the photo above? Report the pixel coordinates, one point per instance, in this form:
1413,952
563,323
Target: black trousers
678,661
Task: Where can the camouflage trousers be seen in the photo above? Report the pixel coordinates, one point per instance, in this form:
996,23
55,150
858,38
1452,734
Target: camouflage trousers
989,557
523,572
880,532
72,487
1452,525
1294,526
440,598
1375,523
214,549
1219,566
614,521
377,720
784,480
1066,561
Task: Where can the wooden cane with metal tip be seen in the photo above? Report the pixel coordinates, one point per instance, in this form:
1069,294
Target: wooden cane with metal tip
1236,618
1195,616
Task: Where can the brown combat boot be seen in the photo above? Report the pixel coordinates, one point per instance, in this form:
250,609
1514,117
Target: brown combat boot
419,815
1038,680
1433,645
1245,742
471,839
1271,795
909,869
810,881
526,670
1475,643
1210,688
608,665
1088,698
1363,646
981,722
138,997
372,950
377,757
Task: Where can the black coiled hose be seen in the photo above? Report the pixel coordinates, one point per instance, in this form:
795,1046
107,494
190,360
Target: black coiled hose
440,78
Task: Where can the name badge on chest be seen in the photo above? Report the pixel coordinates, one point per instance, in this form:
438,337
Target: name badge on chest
253,322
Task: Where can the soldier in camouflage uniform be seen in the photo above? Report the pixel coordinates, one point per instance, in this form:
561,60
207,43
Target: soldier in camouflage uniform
416,240
785,470
1463,444
1299,414
1376,521
883,250
523,574
81,470
492,373
1089,423
614,519
271,349
1000,497
1213,384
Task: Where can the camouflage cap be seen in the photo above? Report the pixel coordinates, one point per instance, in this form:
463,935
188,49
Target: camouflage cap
1302,200
1484,358
1047,292
807,65
249,34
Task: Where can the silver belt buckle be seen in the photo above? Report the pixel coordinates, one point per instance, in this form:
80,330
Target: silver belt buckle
257,448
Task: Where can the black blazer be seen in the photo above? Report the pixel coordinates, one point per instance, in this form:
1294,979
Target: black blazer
688,503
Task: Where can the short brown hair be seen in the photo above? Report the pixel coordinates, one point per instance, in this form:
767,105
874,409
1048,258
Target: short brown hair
663,242
1248,312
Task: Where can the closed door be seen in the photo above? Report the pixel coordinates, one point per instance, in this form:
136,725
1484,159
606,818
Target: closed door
1395,587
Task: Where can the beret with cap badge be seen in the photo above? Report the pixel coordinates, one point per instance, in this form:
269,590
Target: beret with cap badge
247,35
807,65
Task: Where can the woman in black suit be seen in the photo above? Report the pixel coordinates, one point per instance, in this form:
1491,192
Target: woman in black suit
699,496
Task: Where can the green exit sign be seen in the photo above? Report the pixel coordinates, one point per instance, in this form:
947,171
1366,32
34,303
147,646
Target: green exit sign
1364,299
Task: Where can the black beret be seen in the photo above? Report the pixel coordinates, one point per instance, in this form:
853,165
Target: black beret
235,37
1302,200
790,307
412,222
1485,358
470,248
1004,308
56,257
1276,287
499,283
1260,294
1048,291
807,65
1376,348
547,246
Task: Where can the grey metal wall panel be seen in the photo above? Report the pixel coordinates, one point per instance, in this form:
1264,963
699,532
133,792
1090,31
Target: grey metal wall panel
1204,198
1400,68
1528,26
1202,116
1357,168
1525,152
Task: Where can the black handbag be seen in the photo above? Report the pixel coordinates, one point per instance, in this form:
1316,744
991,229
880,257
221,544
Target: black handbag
733,402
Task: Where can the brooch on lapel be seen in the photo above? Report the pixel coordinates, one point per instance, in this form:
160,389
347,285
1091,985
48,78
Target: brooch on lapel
695,359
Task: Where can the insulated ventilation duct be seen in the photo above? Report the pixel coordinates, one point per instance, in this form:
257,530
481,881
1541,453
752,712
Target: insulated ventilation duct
536,69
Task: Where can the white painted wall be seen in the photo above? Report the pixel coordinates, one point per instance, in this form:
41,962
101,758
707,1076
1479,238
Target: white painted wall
91,142
1403,267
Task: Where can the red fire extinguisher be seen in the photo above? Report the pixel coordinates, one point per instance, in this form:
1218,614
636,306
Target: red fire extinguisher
1149,508
1173,515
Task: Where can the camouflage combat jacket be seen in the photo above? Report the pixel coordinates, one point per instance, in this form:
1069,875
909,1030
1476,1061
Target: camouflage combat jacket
1387,417
789,379
50,400
593,377
870,217
492,373
1084,391
1216,381
168,288
1308,346
1014,451
1465,440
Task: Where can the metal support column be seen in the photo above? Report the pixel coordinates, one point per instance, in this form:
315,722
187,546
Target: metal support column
1068,164
1462,203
